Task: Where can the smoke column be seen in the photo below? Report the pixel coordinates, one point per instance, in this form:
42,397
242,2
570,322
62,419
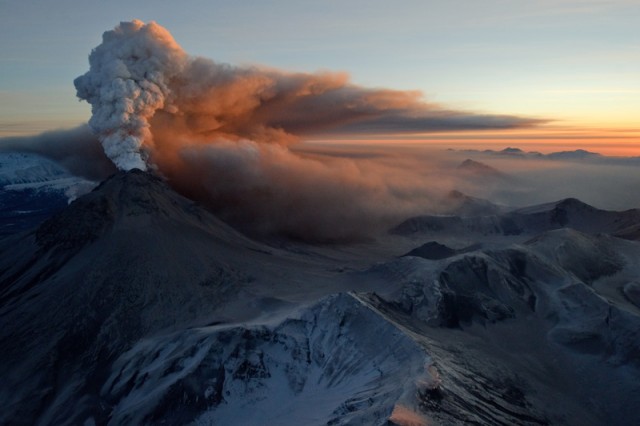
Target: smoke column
127,83
222,134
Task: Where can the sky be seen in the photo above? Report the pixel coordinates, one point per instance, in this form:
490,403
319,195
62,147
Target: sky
574,64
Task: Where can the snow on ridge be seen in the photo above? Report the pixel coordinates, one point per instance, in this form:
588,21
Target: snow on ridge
31,172
16,168
338,361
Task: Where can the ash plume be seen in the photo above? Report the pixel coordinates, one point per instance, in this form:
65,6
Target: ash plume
128,81
226,135
140,81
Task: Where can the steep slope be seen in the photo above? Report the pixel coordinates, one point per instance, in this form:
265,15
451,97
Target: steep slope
123,262
330,363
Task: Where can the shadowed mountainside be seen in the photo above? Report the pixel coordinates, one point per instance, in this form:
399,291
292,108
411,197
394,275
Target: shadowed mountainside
134,305
570,212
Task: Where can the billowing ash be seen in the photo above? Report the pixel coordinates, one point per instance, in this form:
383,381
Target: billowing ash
224,134
128,81
139,69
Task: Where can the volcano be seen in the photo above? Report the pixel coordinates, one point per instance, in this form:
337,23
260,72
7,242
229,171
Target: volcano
121,263
134,305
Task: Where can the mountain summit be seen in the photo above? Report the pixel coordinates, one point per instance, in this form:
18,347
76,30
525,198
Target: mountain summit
477,168
135,203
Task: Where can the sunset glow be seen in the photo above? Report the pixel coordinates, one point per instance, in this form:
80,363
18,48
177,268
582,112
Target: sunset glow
611,142
571,64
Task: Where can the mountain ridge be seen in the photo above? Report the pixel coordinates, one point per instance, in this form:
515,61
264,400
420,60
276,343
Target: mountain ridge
112,253
568,212
135,305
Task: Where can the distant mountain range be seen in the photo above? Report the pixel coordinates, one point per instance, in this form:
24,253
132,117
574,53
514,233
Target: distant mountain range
569,212
574,155
578,154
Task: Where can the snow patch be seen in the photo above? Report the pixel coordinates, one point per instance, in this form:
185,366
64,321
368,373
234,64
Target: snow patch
336,362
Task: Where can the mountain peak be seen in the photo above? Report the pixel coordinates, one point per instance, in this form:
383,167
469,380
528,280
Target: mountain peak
477,168
121,197
512,151
578,154
135,191
134,178
573,203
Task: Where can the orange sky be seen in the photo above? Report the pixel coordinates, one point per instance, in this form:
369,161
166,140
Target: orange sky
610,142
572,62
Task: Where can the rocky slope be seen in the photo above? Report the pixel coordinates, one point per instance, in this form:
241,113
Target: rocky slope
529,334
135,306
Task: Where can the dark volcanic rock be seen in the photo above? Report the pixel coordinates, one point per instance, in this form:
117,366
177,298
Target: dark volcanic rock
127,260
433,250
567,213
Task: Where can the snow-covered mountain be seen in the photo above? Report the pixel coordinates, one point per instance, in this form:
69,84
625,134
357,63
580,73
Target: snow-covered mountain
134,305
335,362
18,168
126,262
33,188
538,333
20,172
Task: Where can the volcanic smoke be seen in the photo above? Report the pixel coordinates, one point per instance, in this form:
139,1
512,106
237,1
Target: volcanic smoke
140,70
222,134
127,83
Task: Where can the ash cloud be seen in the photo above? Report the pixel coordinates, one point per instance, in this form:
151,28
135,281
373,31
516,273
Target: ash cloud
128,81
226,136
141,83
